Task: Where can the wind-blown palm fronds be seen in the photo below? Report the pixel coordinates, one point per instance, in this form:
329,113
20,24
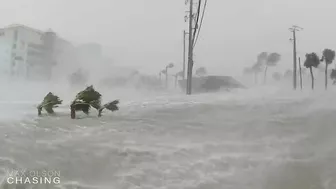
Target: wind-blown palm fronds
49,102
112,106
90,98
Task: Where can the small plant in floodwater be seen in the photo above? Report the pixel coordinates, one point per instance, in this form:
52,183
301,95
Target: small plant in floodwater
91,98
49,102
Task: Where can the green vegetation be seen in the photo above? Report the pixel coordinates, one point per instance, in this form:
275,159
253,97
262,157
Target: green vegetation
312,60
88,98
49,102
328,57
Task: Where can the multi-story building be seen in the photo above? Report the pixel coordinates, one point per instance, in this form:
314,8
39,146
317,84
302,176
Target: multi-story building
27,53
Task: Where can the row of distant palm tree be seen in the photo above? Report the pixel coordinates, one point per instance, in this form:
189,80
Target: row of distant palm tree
264,61
313,61
201,71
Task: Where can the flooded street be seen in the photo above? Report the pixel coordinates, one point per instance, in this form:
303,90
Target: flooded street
258,138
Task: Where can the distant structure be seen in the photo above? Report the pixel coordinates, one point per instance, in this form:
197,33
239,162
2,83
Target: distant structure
30,53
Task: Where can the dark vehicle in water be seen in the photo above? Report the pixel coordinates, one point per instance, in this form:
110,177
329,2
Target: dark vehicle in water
211,83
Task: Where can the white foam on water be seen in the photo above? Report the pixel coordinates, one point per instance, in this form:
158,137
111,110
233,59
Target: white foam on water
249,138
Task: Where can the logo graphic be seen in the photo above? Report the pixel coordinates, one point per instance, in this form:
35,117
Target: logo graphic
32,177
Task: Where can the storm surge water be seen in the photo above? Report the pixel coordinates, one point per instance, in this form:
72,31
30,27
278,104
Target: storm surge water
268,137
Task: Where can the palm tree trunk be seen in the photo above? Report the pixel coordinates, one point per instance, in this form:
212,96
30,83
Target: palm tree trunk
73,113
312,77
265,74
39,111
300,74
326,76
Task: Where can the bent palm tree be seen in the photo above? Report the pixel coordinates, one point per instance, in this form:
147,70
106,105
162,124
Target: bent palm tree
312,60
262,57
257,68
178,74
91,98
271,61
333,76
328,57
49,102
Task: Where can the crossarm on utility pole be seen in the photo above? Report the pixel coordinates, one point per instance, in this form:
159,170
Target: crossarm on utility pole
293,30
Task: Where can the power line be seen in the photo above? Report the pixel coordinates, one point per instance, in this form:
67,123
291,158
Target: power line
199,29
190,51
198,15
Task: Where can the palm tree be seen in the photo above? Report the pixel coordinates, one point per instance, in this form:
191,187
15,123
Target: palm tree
201,71
262,57
88,98
333,75
49,102
257,68
328,57
170,65
178,74
271,60
164,72
312,60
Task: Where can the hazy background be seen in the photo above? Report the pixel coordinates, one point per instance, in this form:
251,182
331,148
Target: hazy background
147,34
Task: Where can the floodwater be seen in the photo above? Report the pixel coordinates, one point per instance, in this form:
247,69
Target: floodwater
257,138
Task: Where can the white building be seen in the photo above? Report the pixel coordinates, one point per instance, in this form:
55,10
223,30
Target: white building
27,52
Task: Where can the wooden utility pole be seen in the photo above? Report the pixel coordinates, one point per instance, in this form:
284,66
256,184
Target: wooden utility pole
184,52
190,49
293,30
300,73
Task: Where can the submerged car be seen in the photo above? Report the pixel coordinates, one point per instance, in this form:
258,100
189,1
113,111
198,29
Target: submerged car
211,83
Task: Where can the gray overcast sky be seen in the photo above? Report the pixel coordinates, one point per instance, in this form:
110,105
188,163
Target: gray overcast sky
147,34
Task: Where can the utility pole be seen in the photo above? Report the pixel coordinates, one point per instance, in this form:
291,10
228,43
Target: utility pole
184,52
293,29
190,51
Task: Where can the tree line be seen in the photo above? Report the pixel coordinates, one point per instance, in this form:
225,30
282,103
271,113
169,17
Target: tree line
312,61
264,61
